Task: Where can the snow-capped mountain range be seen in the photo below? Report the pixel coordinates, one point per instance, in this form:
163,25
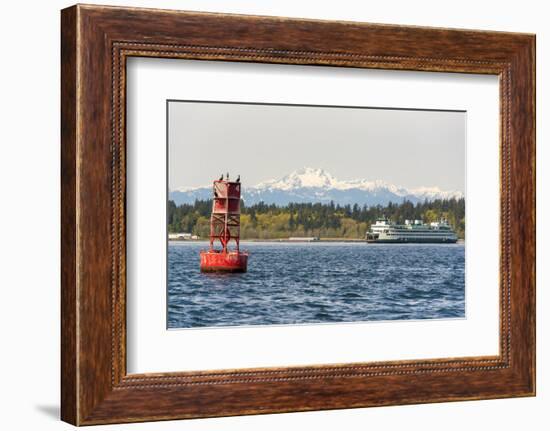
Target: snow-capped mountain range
318,185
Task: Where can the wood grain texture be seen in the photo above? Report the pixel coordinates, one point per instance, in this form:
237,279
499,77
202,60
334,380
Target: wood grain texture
69,366
96,41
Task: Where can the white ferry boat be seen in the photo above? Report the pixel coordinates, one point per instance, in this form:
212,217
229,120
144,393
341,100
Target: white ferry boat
413,231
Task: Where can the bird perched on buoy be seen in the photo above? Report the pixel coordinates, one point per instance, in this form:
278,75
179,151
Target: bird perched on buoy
239,179
227,176
221,177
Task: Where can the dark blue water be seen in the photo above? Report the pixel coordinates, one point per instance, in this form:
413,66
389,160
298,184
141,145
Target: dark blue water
289,283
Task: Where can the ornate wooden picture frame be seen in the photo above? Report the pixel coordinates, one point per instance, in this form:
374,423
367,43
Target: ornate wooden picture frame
96,41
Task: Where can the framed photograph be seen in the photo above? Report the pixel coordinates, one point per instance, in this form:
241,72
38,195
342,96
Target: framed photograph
264,215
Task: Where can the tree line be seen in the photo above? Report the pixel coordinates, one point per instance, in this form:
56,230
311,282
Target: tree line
324,220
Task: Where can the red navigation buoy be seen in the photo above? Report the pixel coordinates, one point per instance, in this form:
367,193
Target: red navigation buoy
225,224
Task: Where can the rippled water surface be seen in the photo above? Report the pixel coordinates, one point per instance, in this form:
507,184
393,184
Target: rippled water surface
290,283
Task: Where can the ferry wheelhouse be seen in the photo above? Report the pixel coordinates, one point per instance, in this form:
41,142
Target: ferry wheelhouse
413,231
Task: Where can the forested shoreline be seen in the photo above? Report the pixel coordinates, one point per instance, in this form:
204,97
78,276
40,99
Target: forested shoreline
263,221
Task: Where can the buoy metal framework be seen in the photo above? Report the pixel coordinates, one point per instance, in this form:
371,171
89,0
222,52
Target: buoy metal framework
225,225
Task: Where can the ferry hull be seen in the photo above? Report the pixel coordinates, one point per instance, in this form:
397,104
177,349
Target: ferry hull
218,261
412,241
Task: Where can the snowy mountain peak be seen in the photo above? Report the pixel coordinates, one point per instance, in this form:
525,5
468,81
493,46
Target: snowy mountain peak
305,177
317,185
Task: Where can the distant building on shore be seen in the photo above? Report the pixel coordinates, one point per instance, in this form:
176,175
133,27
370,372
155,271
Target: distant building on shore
182,236
303,238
